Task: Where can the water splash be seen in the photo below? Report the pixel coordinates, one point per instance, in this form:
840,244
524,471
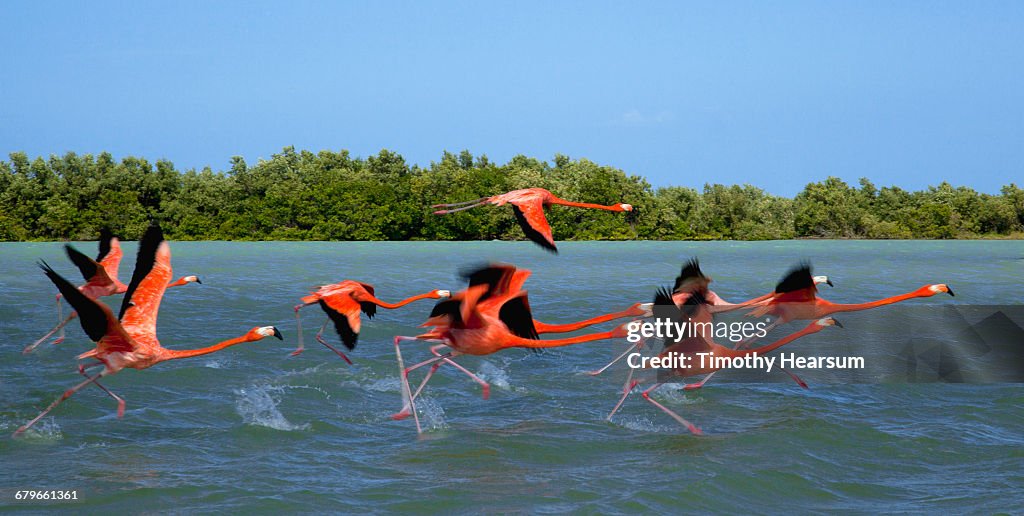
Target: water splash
385,385
494,375
258,407
431,414
45,430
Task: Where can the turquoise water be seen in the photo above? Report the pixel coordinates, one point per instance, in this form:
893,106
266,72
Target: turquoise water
250,428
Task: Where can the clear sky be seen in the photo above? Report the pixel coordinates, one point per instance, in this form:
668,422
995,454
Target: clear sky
775,94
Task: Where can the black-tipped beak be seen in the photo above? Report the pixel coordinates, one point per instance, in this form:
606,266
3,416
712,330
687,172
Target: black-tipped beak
949,290
829,282
199,281
837,323
277,333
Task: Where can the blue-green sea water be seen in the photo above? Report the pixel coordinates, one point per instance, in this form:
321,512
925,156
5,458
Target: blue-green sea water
251,429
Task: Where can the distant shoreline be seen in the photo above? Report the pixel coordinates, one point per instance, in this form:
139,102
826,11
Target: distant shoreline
300,195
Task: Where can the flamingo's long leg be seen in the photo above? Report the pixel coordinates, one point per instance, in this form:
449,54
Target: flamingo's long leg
628,388
320,339
463,203
120,402
408,404
464,208
298,325
639,345
59,327
67,394
689,426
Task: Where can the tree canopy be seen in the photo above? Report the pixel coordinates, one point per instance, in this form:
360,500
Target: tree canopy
301,195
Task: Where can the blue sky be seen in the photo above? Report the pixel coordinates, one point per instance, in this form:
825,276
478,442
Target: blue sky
775,94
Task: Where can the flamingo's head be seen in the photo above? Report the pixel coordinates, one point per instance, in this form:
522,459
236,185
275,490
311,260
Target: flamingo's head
266,331
938,287
818,280
826,322
626,207
443,294
192,279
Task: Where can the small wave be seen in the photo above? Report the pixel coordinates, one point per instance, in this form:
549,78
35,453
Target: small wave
641,424
385,385
258,407
674,393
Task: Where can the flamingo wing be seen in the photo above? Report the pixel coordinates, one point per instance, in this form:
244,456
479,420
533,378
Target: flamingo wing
497,277
690,277
149,281
530,216
94,274
797,285
110,254
516,315
345,318
97,320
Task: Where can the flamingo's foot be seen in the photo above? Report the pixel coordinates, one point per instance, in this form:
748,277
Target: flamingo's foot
58,340
19,431
120,409
693,386
802,384
296,353
398,416
486,388
694,429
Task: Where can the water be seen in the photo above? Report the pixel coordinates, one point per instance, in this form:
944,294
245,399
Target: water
250,428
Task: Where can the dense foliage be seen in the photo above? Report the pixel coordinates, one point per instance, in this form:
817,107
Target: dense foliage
332,196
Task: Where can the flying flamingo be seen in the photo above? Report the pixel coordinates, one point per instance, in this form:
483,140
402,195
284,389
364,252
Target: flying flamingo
342,303
795,299
130,340
100,280
504,280
462,327
665,307
528,205
690,280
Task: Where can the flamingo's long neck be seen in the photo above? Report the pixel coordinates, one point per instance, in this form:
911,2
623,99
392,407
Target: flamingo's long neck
392,306
564,328
514,341
174,354
839,307
814,327
564,202
181,281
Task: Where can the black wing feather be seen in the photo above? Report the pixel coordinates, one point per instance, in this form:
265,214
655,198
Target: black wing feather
348,337
798,278
515,313
85,264
144,262
490,275
105,236
92,317
531,233
690,270
368,308
450,307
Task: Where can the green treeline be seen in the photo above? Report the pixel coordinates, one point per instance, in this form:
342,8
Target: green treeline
300,195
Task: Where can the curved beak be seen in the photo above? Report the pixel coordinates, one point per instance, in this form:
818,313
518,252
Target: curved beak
836,322
277,333
829,282
199,281
949,290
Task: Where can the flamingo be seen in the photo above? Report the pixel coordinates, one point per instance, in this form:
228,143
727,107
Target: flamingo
342,303
691,279
460,325
695,309
100,280
795,298
504,280
129,340
528,205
